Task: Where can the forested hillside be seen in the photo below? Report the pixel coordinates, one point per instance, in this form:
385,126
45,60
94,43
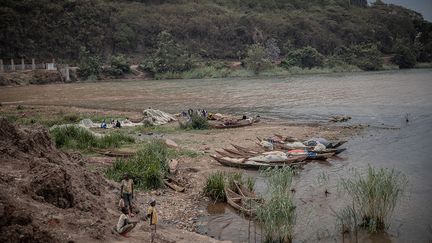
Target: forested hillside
219,29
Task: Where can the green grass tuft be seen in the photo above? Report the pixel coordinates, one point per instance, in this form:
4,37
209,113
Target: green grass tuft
214,187
375,196
74,137
147,168
277,215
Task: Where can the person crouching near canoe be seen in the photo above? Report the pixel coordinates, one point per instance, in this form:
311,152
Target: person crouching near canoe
126,192
124,224
152,216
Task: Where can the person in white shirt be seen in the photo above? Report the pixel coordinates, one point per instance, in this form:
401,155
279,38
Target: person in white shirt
124,225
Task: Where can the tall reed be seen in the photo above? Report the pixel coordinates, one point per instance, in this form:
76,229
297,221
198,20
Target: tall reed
215,186
375,196
277,215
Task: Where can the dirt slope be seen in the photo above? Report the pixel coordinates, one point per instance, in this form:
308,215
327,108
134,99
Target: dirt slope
47,195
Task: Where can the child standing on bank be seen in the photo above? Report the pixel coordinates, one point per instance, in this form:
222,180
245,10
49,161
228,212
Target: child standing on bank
152,215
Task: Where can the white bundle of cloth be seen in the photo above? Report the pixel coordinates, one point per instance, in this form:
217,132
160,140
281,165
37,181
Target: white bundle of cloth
271,157
157,117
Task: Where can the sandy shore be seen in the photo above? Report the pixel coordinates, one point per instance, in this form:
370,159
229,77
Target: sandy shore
179,212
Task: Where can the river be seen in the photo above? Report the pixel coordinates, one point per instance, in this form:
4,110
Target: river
381,99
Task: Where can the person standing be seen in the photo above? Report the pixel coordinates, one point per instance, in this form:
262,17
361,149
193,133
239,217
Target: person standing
126,192
152,215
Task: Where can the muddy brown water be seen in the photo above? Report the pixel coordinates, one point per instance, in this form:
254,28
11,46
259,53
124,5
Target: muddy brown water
380,99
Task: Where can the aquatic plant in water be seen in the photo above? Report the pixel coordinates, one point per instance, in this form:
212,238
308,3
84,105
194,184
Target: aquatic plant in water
375,196
215,185
277,215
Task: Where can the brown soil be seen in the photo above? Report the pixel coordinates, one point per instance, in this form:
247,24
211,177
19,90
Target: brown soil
47,195
29,77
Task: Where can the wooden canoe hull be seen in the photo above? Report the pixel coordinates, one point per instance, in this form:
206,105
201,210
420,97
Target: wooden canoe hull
235,201
116,154
242,123
249,165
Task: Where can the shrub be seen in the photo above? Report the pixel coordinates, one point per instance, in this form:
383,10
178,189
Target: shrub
121,63
307,57
277,215
215,185
375,196
119,66
89,66
168,57
365,56
147,168
404,57
75,137
257,58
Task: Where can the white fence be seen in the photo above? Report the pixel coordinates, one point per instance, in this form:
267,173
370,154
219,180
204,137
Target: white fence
14,67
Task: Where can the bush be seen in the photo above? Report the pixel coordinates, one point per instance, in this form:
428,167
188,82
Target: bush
147,168
365,56
307,57
375,196
74,137
168,57
257,58
404,57
89,66
196,122
277,216
119,66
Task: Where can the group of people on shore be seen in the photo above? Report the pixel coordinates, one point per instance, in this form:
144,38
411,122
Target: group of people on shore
114,124
200,112
125,222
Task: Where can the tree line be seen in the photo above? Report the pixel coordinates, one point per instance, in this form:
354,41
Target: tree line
223,29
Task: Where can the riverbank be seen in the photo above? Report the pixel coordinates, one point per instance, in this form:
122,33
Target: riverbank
43,77
179,212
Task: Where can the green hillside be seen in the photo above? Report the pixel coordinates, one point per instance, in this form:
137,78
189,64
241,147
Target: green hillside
219,29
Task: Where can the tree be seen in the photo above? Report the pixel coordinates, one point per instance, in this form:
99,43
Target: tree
119,66
90,66
306,57
257,58
168,57
404,57
272,50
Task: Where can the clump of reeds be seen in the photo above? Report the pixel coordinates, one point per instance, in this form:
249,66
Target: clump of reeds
375,196
147,168
74,137
216,182
215,185
277,215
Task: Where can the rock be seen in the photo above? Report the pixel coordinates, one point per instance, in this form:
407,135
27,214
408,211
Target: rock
171,143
